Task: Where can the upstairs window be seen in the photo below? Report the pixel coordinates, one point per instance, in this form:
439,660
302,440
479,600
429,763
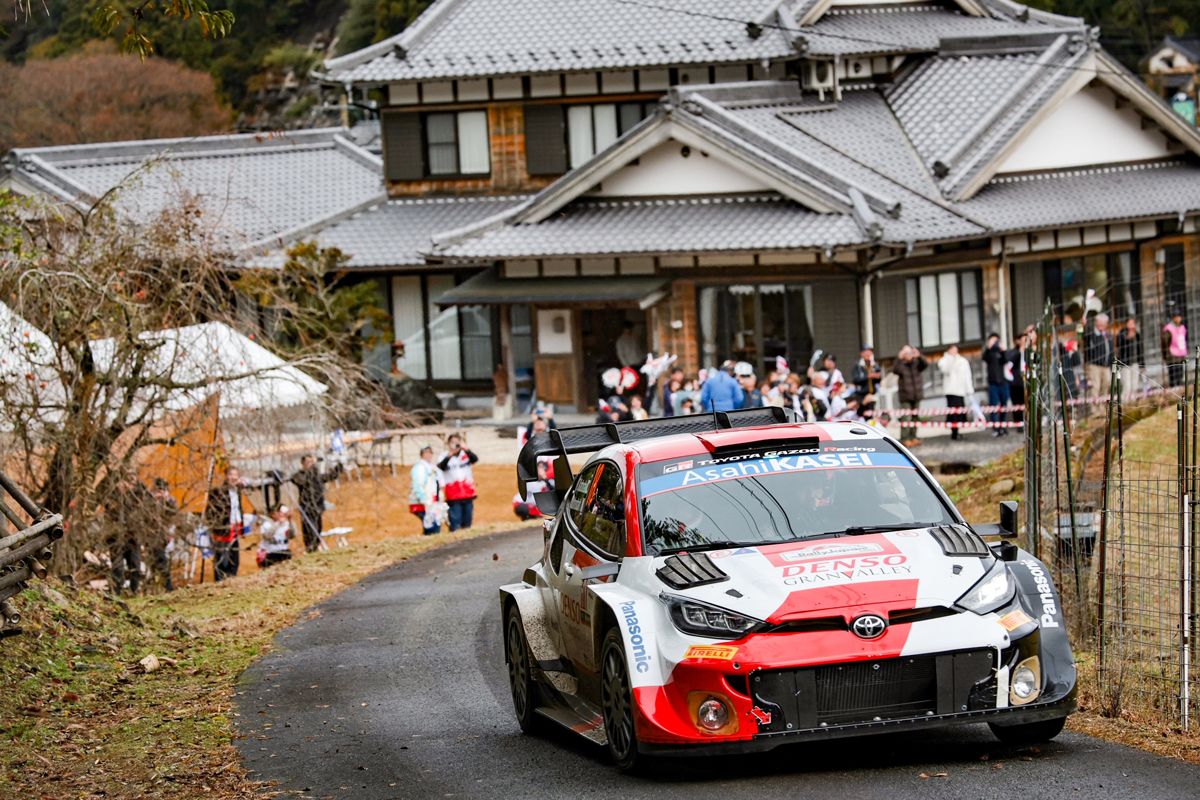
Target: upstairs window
558,138
944,309
590,129
456,143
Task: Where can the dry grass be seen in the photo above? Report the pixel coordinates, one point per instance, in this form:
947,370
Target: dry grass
81,718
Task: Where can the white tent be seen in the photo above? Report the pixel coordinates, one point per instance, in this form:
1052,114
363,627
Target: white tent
24,349
215,357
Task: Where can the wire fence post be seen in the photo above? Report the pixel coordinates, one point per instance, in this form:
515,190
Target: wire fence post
1184,563
1033,420
1114,394
1066,437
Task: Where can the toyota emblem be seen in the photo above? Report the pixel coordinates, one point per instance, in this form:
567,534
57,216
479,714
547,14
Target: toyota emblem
869,626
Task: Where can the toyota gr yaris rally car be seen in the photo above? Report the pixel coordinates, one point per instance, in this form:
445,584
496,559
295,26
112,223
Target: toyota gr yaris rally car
732,582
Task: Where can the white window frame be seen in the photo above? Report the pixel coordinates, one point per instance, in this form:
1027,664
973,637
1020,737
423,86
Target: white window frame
935,313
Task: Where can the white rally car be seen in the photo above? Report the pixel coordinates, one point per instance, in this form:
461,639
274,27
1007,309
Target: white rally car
735,581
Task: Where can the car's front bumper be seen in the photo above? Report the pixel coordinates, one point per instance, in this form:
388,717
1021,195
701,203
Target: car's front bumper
1035,712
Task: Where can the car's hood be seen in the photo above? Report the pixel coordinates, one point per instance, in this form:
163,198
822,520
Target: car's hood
837,576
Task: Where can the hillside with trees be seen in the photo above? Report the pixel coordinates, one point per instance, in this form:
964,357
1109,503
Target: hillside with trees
259,67
258,70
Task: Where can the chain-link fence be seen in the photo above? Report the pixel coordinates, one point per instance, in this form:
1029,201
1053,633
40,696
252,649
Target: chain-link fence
1111,480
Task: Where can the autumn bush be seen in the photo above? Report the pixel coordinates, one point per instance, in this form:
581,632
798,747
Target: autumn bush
99,95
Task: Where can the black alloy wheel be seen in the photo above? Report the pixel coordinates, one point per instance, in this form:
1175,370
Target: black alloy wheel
520,673
1030,732
616,699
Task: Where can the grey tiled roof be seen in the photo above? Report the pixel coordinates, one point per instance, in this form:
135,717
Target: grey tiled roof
905,29
854,145
254,186
683,225
1089,196
1002,94
487,38
931,102
395,233
856,153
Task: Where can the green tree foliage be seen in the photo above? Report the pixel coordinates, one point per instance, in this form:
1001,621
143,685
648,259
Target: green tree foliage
312,302
1131,28
368,21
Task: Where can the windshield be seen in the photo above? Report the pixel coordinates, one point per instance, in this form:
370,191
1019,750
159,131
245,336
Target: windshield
776,494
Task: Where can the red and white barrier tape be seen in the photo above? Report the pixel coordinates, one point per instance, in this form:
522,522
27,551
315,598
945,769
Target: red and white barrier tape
937,411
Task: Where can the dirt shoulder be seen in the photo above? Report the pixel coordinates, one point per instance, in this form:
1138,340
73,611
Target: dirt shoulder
84,718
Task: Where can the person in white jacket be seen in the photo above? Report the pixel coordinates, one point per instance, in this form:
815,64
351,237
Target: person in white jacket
958,384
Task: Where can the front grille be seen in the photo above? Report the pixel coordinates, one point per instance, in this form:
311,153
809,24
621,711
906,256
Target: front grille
873,690
901,687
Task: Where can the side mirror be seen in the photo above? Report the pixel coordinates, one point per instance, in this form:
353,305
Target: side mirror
1008,518
547,503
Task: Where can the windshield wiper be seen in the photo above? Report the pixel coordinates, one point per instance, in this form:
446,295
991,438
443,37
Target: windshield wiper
859,530
695,548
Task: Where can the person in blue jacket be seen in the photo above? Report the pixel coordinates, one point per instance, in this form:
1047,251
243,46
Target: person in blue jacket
721,391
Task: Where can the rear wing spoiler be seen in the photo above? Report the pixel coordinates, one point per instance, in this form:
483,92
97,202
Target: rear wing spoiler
562,442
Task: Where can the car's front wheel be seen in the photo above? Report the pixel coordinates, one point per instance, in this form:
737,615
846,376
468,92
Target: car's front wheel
520,672
616,699
1030,732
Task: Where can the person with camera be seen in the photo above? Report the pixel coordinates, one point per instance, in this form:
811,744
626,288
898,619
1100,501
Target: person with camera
311,485
225,515
458,481
908,368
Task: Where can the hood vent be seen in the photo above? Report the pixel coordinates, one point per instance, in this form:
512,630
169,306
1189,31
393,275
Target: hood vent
959,541
688,570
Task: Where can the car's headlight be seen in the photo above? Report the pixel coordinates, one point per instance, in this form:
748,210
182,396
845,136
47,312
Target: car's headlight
702,619
994,590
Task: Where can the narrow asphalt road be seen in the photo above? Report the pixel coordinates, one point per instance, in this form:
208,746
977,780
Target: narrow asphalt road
396,689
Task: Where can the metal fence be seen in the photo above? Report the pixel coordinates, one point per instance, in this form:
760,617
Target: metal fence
1110,499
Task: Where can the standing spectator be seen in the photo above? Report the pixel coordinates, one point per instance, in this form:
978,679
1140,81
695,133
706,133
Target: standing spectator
458,482
721,392
128,508
866,373
995,359
165,520
833,375
1016,376
1131,356
671,386
1069,359
1174,346
752,396
423,497
908,368
275,537
958,385
1098,353
629,349
311,485
224,515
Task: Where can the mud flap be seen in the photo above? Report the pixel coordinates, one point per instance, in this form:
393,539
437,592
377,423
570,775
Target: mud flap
535,620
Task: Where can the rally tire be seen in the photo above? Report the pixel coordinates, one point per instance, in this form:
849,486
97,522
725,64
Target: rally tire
525,694
616,700
1030,732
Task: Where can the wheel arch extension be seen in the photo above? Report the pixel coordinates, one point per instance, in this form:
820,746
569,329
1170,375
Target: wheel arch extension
527,599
